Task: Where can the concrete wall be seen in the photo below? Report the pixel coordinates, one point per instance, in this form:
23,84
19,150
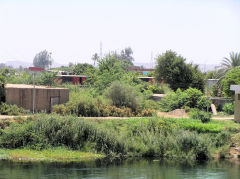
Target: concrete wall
219,101
23,97
237,107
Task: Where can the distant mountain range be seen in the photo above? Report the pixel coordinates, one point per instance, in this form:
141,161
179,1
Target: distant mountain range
202,67
17,64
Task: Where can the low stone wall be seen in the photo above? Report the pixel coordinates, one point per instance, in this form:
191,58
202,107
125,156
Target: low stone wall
219,101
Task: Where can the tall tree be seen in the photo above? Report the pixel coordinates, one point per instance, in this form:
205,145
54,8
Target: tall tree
95,58
126,54
228,64
233,61
43,59
172,69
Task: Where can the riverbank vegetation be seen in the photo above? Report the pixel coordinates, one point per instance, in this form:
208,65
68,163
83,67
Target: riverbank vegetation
112,90
140,137
59,154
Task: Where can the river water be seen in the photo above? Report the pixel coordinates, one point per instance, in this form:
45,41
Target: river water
137,169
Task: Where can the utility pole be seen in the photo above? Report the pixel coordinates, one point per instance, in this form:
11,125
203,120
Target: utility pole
100,50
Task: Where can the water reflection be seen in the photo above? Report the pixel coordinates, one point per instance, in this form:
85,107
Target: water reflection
136,169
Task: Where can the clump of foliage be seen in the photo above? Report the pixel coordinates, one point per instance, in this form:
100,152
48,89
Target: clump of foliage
161,88
83,68
216,90
121,94
148,137
201,115
228,108
83,104
43,59
232,77
172,69
2,89
223,138
190,98
47,78
7,109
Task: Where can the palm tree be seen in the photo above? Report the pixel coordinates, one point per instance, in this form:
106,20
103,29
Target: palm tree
228,64
233,61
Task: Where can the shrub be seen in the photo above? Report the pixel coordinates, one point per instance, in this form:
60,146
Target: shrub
159,88
190,98
7,109
121,94
232,77
45,131
228,108
201,115
223,138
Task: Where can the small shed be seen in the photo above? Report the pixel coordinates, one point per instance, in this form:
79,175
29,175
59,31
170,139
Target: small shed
45,97
236,88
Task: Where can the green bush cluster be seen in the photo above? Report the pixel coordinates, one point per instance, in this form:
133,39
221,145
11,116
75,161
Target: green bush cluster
82,104
190,98
49,131
150,138
201,115
121,94
228,108
7,109
159,88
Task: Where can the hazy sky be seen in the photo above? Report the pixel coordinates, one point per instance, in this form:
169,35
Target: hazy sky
202,31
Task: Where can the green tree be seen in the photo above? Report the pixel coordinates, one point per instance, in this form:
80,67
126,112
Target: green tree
109,69
2,89
83,68
95,58
43,59
47,78
233,61
172,69
228,64
126,54
232,77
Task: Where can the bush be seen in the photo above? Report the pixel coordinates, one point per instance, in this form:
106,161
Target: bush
228,108
159,88
232,77
223,138
190,98
82,104
121,94
45,131
201,115
7,109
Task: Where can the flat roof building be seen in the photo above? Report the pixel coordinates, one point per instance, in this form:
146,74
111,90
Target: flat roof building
45,97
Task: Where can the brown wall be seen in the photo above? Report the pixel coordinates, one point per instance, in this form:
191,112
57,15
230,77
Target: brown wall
237,108
23,97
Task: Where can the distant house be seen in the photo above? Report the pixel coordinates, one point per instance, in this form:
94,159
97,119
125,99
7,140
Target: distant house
147,79
45,97
74,79
140,70
69,77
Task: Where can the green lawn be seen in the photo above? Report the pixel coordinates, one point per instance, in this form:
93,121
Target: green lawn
56,154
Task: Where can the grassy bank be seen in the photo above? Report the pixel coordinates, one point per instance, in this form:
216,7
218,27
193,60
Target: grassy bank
141,137
52,155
